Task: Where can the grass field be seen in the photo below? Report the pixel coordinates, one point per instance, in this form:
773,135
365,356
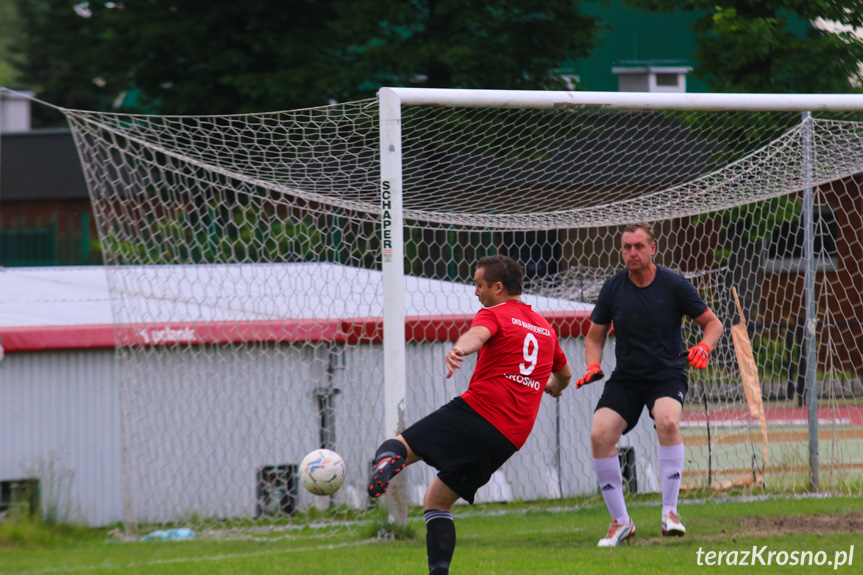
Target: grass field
495,538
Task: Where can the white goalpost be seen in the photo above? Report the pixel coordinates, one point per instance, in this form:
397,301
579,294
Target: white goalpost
291,280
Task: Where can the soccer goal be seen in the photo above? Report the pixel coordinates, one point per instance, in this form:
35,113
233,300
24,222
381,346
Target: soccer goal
292,280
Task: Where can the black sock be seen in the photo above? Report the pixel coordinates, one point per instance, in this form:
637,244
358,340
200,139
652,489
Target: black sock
390,448
440,540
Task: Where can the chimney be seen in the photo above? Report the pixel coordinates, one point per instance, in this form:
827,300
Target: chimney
14,111
650,76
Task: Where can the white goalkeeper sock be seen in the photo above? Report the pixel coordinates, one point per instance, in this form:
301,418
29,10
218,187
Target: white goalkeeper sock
670,471
611,485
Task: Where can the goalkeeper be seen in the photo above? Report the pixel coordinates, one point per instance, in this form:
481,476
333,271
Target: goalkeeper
646,304
468,439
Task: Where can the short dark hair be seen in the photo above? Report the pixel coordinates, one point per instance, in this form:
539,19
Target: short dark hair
503,269
648,229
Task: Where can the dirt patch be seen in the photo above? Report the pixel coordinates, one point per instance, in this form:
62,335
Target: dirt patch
829,523
780,525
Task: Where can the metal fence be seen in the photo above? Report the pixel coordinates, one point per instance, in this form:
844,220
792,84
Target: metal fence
36,242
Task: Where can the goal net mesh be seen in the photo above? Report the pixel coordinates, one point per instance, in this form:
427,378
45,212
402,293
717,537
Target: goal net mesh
243,256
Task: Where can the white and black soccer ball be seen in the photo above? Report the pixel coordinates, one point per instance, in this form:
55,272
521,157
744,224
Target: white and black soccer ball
322,472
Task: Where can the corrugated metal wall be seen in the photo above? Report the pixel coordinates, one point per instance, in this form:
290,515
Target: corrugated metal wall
59,422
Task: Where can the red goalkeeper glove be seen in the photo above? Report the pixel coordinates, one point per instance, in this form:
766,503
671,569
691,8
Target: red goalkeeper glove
699,355
593,373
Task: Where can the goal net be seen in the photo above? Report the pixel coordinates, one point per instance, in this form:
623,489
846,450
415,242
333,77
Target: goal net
245,259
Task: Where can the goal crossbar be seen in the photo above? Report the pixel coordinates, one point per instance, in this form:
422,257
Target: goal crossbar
623,100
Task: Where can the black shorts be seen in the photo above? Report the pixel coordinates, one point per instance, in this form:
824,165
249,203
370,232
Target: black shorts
461,444
627,396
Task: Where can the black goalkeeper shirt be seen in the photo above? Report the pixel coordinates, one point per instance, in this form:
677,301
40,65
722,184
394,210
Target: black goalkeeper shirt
647,322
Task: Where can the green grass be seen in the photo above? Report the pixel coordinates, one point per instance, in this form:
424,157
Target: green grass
541,537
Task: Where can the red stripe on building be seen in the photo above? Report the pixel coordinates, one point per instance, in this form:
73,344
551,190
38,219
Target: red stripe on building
438,328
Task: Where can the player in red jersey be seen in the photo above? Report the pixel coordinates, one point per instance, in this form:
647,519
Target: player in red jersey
469,438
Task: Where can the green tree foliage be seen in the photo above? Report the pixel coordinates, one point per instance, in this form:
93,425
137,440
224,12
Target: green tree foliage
9,36
217,57
770,46
492,44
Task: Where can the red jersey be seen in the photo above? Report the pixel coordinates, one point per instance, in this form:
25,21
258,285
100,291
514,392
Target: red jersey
513,367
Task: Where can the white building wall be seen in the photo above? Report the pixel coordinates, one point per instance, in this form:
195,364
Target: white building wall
59,422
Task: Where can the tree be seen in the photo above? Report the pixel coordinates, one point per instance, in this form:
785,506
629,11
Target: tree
9,35
178,57
491,44
771,46
217,57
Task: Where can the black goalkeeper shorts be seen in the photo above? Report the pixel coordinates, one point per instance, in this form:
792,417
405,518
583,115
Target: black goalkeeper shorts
461,444
628,396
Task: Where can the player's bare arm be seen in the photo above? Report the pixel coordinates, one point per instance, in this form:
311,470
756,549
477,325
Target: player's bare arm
593,345
711,326
699,354
468,343
558,381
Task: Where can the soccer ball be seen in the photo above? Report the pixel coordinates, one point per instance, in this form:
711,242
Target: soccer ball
322,472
